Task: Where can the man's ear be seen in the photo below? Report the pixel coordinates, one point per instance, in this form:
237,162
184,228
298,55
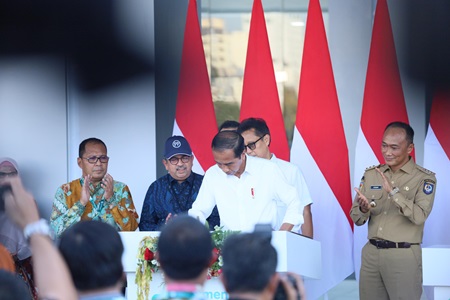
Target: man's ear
157,258
79,160
165,163
224,281
273,283
410,148
267,139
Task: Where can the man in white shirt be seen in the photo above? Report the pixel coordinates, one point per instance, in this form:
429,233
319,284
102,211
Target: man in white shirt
245,189
257,139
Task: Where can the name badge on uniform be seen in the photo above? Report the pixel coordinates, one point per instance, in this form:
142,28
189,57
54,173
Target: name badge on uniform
428,187
375,187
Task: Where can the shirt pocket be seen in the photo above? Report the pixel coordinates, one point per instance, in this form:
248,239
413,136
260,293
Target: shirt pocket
375,196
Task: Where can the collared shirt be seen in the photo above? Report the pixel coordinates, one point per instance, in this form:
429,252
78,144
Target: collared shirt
295,178
67,209
248,200
399,218
182,291
166,195
103,296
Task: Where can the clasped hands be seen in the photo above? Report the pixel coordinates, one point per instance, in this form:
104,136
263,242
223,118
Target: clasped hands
107,184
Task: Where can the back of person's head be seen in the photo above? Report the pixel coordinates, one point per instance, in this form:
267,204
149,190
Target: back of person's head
12,287
92,140
229,125
257,124
226,140
408,130
184,248
93,252
249,262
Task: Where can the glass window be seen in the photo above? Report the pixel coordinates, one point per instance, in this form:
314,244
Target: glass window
225,29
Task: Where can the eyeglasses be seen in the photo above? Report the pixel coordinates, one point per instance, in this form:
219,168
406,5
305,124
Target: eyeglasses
93,159
252,146
174,160
9,174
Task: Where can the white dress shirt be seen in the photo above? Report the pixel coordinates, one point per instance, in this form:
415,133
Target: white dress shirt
250,199
295,178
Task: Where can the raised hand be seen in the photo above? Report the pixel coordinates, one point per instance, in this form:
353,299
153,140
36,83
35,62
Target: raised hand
386,185
364,205
108,185
19,204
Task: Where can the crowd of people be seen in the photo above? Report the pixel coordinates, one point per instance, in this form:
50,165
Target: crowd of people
248,185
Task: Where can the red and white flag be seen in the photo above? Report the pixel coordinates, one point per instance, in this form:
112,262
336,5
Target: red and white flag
195,118
318,127
259,93
437,159
383,103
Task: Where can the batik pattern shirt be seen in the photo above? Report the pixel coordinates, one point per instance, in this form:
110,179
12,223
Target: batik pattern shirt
67,209
166,195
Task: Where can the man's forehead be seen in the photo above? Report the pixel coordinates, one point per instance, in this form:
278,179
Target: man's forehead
95,147
224,156
393,139
250,132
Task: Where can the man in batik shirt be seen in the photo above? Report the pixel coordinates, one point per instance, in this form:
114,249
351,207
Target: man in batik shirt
94,196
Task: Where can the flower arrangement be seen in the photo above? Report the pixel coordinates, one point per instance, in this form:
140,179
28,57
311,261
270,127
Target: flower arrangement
147,264
218,236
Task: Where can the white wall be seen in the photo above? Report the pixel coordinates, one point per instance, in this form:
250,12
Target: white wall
33,118
123,116
44,116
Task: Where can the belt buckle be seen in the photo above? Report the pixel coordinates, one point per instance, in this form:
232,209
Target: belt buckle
378,244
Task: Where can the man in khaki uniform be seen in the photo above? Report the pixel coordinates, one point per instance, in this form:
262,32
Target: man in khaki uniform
396,198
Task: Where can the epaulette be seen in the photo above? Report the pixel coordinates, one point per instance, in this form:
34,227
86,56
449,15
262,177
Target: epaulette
426,171
373,167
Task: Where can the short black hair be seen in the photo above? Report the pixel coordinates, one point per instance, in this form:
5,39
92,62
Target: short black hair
408,130
12,287
229,124
93,252
184,248
258,124
249,261
225,140
82,148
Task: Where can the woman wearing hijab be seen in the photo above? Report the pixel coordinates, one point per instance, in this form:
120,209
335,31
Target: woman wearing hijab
11,237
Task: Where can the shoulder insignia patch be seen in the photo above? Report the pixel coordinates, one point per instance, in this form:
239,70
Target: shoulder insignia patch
373,167
426,171
428,187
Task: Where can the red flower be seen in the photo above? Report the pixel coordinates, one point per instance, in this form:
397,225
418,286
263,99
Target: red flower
148,255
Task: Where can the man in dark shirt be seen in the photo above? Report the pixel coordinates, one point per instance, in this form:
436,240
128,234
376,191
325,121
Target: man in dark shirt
174,192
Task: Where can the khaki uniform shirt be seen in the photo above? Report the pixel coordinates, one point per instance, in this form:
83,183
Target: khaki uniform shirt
399,218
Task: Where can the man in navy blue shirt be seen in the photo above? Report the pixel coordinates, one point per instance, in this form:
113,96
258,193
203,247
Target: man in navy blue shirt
174,192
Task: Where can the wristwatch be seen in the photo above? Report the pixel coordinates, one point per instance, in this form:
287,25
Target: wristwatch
394,191
39,227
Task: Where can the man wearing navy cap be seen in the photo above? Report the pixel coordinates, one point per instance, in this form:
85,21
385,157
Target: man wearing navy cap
174,192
